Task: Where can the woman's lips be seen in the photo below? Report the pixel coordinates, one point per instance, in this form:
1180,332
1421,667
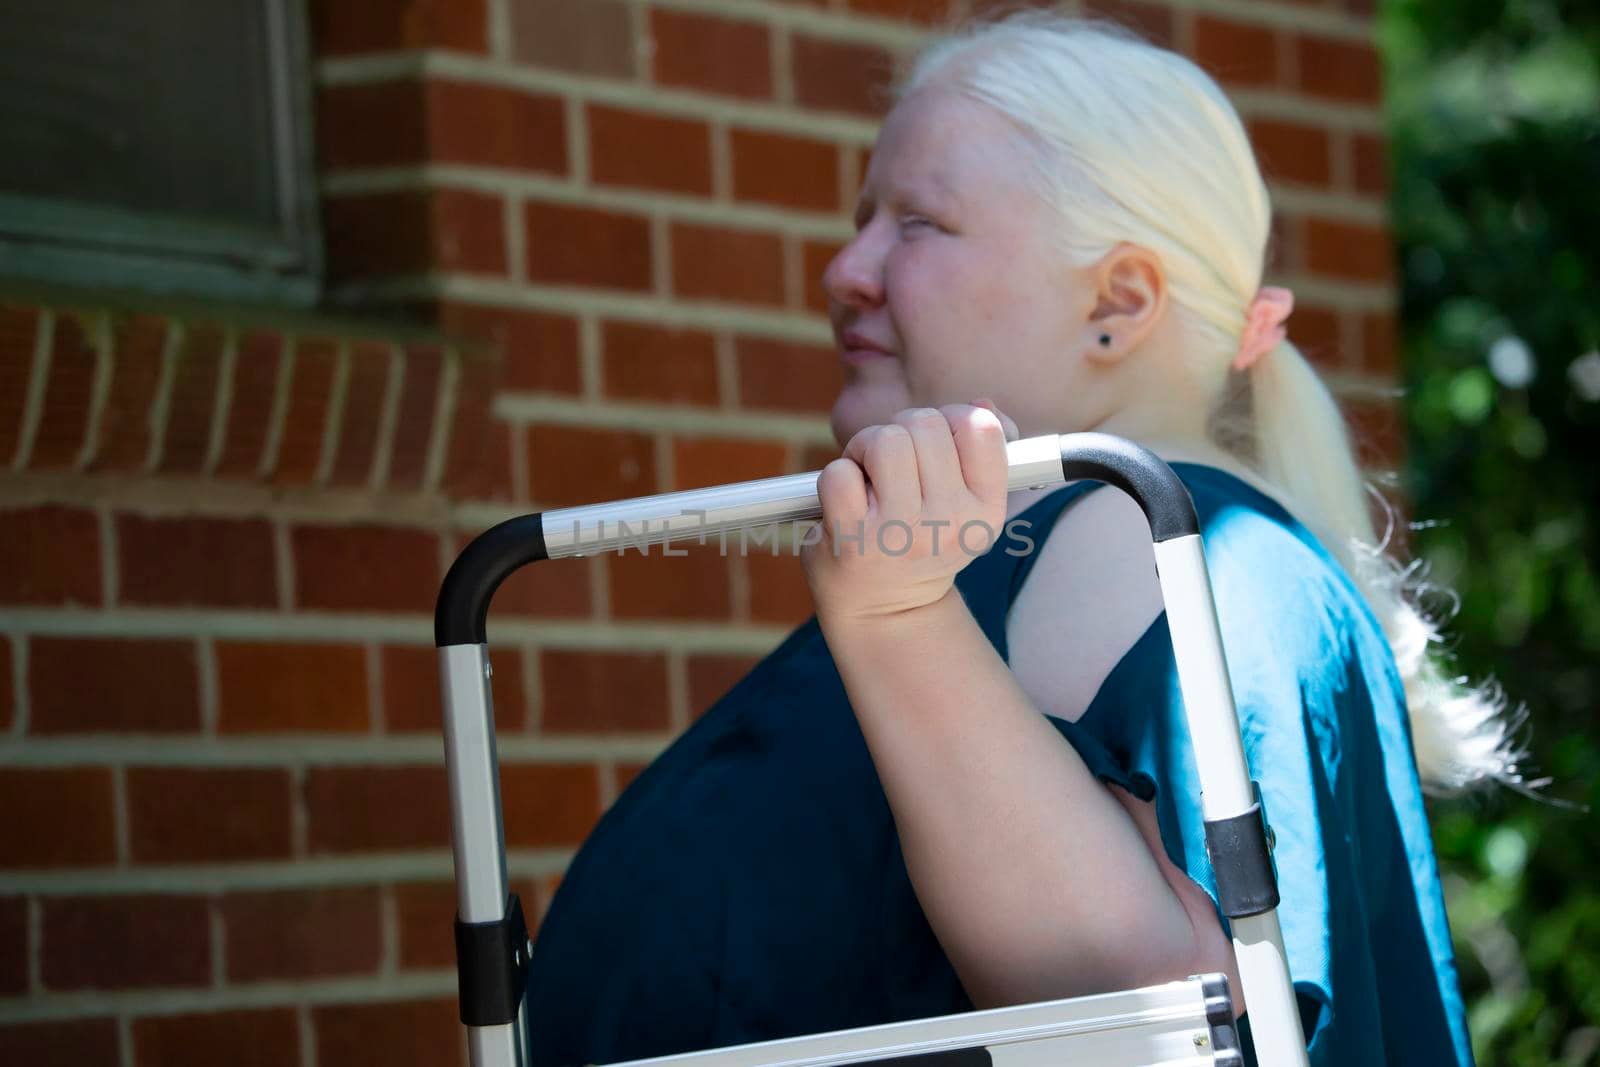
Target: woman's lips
856,357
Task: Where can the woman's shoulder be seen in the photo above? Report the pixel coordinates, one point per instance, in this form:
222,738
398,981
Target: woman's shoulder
1254,542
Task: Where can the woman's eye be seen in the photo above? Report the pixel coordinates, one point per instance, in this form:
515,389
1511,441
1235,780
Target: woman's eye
915,222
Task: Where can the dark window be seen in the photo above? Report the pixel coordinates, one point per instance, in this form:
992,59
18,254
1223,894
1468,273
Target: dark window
158,144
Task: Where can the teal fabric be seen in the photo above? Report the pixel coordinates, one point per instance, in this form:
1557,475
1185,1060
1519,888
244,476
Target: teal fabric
748,885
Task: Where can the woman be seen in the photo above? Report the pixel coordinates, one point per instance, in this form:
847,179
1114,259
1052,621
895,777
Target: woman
967,781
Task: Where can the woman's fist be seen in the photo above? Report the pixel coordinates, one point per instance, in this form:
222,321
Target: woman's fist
908,505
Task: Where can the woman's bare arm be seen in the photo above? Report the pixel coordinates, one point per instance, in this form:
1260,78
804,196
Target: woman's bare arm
1036,877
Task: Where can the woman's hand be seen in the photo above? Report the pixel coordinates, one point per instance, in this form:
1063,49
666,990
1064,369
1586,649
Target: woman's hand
908,505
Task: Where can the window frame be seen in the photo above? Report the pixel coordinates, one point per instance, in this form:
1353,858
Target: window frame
45,239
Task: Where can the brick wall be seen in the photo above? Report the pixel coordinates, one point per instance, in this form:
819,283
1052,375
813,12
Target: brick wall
575,250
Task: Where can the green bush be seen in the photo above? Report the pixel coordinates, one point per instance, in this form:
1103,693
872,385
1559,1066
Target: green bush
1494,119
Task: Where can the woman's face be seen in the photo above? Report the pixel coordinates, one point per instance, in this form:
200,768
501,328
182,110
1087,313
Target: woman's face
950,290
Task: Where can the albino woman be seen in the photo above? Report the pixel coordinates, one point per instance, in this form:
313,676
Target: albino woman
967,781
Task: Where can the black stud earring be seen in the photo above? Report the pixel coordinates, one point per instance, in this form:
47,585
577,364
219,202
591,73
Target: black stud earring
1105,340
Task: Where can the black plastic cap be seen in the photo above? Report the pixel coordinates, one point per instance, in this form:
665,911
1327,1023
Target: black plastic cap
1241,858
492,967
1138,472
460,617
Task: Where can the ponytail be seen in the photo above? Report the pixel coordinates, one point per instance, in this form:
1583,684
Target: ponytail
1462,736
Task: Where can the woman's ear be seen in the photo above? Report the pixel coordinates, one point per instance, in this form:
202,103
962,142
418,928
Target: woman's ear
1130,296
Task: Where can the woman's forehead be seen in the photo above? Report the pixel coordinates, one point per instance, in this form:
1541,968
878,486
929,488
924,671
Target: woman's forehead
938,143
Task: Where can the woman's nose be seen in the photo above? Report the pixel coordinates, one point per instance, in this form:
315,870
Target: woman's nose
854,277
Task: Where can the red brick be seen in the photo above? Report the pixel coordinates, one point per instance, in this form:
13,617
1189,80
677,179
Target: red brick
1379,343
494,126
815,457
300,934
714,263
834,75
18,328
715,55
383,1034
635,148
144,942
1369,157
775,168
69,1043
51,555
478,460
372,125
1347,71
1153,22
250,408
1317,332
712,675
193,401
377,809
316,363
365,568
1377,429
929,11
267,1037
778,589
703,461
56,817
1292,151
354,27
538,350
587,246
657,586
441,121
1352,250
787,376
600,692
555,589
376,234
594,37
206,815
1236,53
64,418
572,465
13,949
366,390
648,362
815,257
477,464
425,914
411,700
275,688
408,454
113,684
194,560
549,805
138,342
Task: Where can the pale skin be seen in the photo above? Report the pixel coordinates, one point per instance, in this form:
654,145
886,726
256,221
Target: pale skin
1039,880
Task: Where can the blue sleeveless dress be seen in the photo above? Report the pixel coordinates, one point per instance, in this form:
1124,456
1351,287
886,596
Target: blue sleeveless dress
749,885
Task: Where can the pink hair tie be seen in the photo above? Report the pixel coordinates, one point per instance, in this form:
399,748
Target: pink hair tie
1263,328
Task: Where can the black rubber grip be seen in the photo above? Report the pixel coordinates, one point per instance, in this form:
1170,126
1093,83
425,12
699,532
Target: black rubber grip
1242,861
460,616
1138,472
492,967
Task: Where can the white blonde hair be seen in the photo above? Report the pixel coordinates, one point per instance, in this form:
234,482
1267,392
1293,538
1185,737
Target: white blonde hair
1134,143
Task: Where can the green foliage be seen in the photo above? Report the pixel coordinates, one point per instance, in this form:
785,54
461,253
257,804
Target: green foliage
1494,116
